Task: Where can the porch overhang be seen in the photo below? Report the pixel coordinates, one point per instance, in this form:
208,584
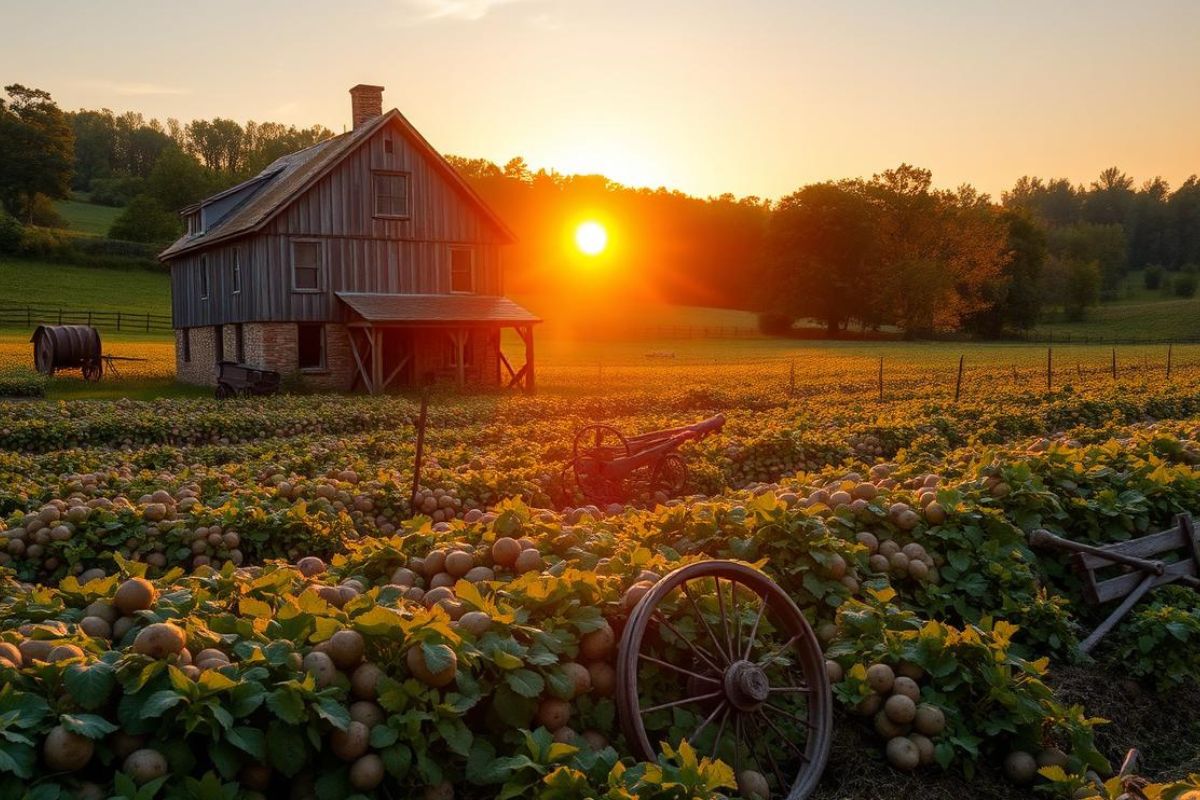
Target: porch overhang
456,314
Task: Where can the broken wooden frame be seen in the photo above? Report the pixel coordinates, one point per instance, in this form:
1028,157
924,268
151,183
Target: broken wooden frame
1144,568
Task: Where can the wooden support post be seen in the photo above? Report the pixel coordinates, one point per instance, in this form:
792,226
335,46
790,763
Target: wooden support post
416,484
376,358
958,382
460,350
529,380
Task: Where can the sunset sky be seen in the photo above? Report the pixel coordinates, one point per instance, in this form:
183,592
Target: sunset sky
750,97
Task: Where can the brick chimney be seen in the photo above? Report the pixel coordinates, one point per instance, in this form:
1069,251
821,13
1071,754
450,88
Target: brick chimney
366,103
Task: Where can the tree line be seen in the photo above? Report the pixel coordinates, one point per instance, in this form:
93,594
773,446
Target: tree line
891,250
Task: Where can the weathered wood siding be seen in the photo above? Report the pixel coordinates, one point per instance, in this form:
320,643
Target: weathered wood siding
360,253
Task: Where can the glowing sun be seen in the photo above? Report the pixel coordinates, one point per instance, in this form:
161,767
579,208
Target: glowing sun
591,238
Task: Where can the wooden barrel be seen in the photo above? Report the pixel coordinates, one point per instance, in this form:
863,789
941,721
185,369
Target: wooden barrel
64,347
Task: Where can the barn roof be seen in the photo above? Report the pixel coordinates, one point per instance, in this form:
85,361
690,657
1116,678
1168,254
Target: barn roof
436,308
289,176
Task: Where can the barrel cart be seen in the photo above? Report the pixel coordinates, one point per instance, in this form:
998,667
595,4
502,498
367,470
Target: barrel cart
71,347
606,463
717,654
238,379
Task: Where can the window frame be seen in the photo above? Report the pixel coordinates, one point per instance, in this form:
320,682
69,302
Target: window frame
323,366
376,174
236,278
320,268
205,278
468,352
471,271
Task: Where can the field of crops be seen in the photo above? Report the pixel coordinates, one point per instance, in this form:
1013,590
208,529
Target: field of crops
238,599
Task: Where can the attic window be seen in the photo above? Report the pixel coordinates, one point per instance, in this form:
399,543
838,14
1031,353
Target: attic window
193,224
391,194
387,146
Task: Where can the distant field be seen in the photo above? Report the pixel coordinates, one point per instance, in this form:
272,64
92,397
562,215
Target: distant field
88,218
44,284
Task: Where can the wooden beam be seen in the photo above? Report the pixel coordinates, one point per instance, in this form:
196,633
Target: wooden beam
377,359
529,381
362,370
508,366
396,371
460,344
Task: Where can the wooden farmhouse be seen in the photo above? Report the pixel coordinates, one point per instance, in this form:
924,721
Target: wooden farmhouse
364,262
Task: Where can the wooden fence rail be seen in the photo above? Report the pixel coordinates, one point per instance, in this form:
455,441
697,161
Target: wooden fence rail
30,316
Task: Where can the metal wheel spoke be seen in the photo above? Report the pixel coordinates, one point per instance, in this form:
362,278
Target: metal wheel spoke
707,721
807,723
805,688
779,650
762,606
737,743
678,669
783,784
720,732
724,619
695,648
786,739
674,703
707,627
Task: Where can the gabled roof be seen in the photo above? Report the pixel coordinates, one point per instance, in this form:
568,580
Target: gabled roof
290,176
428,309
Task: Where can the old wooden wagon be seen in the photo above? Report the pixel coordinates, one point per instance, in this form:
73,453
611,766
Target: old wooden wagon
238,379
605,462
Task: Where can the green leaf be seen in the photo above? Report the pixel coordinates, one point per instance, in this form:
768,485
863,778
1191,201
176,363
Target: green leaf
287,704
160,702
397,760
286,748
92,726
90,685
525,682
249,740
457,735
437,656
17,759
333,712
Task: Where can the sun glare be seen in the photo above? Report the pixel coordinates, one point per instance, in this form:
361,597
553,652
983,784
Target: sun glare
591,238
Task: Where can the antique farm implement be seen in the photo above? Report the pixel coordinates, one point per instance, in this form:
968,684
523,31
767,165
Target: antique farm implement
60,347
717,654
605,461
234,379
1129,569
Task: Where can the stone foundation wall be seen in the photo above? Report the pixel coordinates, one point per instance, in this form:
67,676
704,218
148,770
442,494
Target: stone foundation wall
201,368
274,346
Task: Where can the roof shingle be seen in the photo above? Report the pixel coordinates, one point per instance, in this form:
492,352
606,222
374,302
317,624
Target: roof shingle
436,308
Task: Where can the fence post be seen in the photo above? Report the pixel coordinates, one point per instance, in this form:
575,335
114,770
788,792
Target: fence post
147,322
60,315
1114,363
1049,367
28,317
958,383
1168,361
118,320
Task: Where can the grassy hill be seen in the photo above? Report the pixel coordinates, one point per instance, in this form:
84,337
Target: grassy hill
87,218
135,291
1138,313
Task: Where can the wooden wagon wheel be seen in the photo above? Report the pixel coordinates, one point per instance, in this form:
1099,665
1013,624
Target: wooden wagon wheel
718,654
224,391
92,370
670,475
595,446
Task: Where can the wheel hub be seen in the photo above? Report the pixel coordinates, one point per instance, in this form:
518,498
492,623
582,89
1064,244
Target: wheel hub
746,686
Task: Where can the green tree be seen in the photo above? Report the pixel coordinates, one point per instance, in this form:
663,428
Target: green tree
145,220
1072,284
36,150
819,252
1014,298
178,180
